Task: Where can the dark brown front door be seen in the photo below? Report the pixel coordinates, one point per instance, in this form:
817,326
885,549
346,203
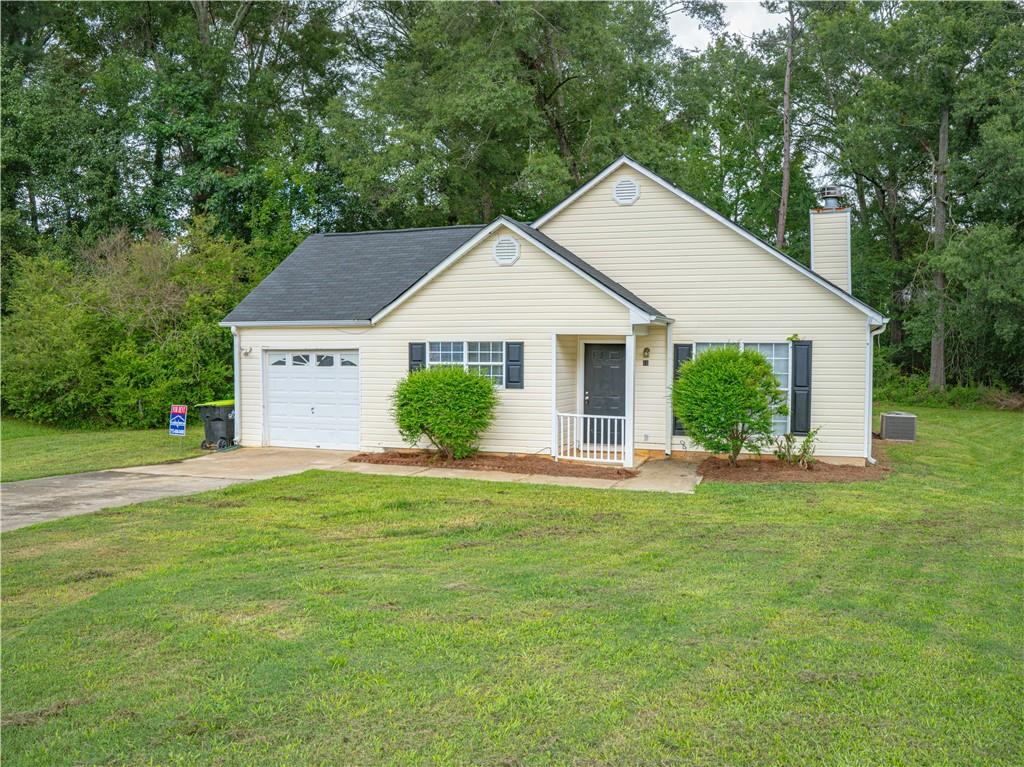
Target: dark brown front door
604,389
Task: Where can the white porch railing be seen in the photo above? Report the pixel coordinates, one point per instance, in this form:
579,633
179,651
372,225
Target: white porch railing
599,438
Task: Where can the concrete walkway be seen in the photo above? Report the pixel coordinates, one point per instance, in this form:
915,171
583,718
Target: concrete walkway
655,476
39,500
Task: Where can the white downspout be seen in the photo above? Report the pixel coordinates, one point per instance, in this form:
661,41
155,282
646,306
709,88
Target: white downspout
237,358
869,389
670,363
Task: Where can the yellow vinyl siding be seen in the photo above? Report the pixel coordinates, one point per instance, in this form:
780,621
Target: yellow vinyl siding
717,286
475,299
567,373
830,246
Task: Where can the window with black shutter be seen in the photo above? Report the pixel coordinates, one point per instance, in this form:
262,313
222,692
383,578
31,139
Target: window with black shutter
417,356
681,353
800,403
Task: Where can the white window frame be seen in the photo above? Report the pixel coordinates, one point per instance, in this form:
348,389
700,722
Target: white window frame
465,358
789,374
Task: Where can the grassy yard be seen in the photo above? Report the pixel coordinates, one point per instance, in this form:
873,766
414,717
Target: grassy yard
339,619
28,450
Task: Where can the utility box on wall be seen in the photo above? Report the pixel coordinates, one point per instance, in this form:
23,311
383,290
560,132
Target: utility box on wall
901,426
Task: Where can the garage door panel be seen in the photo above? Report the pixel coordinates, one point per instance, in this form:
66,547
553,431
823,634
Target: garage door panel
314,404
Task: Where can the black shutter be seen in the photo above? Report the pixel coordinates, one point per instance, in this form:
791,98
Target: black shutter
513,364
800,406
417,356
681,353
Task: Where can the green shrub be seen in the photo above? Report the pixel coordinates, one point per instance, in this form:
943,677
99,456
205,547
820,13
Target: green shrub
725,399
801,453
446,405
112,335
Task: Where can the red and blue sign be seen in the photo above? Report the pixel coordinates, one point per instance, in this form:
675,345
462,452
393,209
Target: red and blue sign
178,415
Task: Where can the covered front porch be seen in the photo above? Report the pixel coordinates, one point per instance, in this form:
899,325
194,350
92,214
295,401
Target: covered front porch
610,395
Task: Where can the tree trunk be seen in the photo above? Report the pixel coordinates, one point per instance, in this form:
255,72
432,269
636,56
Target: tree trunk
202,9
937,372
33,208
787,132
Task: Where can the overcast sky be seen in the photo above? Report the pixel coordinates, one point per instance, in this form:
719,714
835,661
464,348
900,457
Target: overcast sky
742,16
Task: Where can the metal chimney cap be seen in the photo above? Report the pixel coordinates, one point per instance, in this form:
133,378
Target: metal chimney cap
831,196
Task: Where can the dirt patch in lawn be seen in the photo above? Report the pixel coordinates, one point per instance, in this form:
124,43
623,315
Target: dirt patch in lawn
772,470
516,464
26,718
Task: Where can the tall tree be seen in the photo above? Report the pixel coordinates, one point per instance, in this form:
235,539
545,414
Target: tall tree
787,126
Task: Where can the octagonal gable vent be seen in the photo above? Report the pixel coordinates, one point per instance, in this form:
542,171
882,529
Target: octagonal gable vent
506,250
626,191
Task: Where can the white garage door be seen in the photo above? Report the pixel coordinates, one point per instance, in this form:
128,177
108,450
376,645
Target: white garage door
312,399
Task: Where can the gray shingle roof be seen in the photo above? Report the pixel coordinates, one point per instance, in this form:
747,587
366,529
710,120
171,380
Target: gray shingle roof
348,277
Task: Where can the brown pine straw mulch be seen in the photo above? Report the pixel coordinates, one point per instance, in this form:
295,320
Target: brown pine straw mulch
516,464
772,470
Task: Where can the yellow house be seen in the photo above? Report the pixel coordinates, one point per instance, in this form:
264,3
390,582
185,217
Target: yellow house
580,318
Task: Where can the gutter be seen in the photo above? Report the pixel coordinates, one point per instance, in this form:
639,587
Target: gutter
297,324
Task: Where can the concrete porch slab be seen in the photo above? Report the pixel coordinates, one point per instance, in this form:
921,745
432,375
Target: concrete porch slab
664,476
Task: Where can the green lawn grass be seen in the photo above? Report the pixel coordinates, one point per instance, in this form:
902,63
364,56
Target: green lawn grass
342,619
28,450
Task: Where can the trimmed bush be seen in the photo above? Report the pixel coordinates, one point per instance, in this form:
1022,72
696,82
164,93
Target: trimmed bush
725,399
448,406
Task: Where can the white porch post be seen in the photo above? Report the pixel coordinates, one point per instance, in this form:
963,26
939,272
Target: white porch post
630,375
554,395
670,374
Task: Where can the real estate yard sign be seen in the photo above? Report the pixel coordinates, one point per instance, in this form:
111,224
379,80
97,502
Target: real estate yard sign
178,415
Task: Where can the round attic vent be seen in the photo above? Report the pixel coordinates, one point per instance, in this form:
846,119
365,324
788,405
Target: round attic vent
506,251
626,191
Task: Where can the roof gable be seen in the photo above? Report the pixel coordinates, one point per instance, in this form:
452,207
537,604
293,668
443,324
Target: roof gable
873,315
642,312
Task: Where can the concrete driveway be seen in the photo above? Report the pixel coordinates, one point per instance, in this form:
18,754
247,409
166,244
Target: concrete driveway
38,500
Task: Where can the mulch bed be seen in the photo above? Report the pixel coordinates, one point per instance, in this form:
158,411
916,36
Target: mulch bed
516,464
772,470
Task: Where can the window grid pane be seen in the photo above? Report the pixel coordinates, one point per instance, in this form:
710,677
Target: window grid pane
445,353
778,357
488,359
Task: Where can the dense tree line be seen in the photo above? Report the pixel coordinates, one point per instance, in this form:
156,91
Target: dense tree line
159,158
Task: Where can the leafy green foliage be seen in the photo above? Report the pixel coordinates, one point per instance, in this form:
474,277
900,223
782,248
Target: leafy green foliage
797,453
123,333
275,119
447,405
725,399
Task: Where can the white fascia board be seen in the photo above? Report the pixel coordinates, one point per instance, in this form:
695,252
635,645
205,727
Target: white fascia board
637,315
872,314
298,324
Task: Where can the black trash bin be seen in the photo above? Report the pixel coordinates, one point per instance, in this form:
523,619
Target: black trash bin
218,423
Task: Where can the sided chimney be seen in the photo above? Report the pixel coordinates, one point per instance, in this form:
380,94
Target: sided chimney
830,239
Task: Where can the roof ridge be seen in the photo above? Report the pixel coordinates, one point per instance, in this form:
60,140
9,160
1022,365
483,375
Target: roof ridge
395,231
